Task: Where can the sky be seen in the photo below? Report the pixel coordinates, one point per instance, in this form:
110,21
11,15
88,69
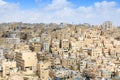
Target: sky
57,11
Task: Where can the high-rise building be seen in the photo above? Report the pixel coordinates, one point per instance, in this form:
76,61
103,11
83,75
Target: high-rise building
107,25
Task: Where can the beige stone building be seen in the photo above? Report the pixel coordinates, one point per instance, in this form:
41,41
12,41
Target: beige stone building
8,67
35,47
26,60
43,68
65,44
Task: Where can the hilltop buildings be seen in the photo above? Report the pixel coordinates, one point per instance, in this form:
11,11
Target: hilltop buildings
65,51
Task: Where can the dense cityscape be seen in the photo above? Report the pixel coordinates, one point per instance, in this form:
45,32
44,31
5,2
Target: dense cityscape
38,51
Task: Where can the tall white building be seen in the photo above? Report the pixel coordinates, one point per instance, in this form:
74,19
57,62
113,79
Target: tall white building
107,25
45,46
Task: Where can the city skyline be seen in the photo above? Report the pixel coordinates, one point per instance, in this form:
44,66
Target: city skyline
68,11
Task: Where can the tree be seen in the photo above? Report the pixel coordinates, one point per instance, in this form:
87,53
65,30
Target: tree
113,74
88,74
24,36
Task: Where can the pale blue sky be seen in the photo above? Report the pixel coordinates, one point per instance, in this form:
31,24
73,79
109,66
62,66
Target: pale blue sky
28,4
69,11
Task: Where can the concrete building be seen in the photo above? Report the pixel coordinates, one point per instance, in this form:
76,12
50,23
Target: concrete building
107,25
43,68
8,67
26,60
